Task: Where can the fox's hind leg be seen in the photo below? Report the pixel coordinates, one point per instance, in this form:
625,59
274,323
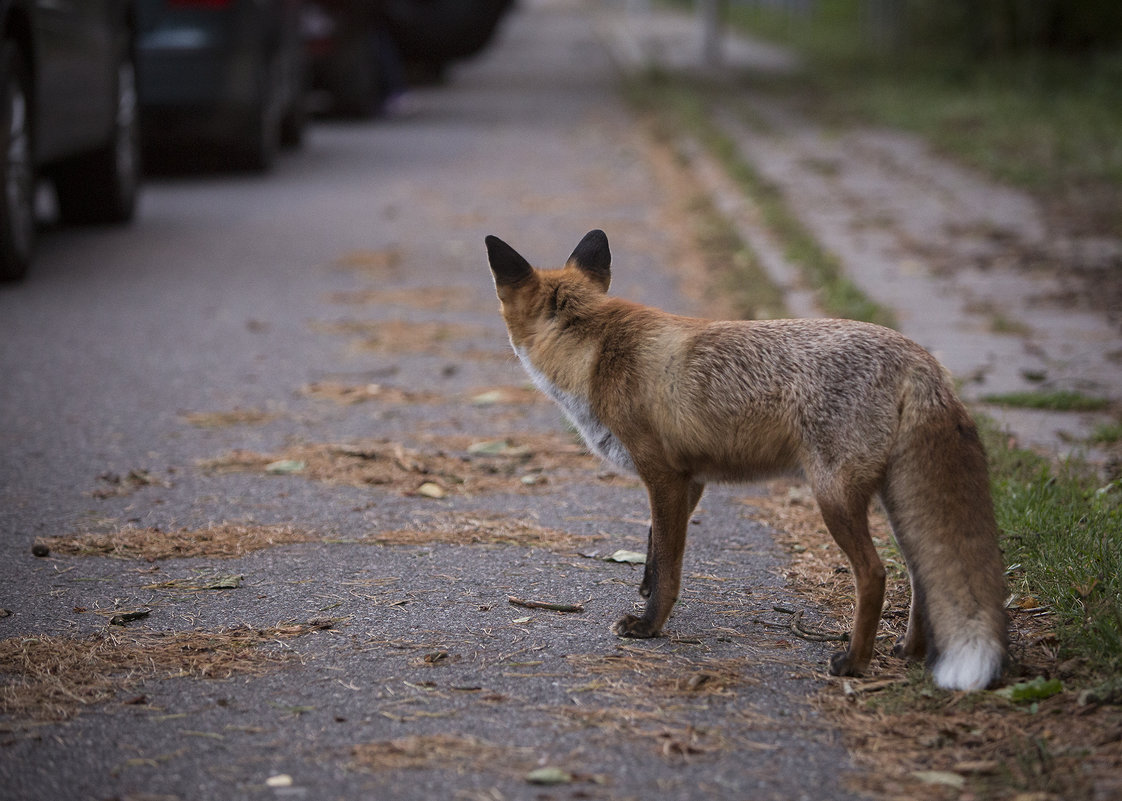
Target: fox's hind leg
914,643
846,517
673,498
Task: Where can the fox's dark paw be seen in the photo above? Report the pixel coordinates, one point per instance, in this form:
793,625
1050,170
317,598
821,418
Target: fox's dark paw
631,626
842,665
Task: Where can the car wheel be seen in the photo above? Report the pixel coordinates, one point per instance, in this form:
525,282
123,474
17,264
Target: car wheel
17,171
102,186
357,95
294,123
257,148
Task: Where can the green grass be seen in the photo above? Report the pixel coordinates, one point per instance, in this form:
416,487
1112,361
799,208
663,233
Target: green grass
1057,401
1107,434
682,106
1062,536
1047,122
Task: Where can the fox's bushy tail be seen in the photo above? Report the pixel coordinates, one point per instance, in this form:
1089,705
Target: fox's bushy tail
938,498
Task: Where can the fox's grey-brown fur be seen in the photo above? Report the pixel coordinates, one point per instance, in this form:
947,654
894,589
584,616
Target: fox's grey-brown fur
860,409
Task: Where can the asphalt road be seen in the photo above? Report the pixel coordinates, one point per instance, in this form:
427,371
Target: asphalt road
234,316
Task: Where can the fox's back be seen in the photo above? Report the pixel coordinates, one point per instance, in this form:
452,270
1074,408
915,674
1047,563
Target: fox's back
751,397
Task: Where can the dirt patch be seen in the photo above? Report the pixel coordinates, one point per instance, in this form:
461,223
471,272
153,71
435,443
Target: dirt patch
451,752
460,465
429,337
223,540
506,396
377,264
53,678
925,743
236,417
429,298
350,394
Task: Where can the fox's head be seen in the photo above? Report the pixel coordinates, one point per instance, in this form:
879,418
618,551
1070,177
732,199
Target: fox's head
535,300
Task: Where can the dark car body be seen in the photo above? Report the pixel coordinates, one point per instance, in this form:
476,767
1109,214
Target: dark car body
225,75
68,112
361,50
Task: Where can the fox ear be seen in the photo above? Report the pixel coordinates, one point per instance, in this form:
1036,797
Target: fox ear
507,265
594,257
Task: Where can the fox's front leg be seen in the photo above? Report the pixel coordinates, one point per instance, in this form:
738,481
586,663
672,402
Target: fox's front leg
673,499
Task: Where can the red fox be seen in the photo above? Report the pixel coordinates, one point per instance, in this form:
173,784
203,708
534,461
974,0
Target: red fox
861,409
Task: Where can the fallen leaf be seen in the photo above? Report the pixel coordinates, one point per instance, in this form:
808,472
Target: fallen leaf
280,780
431,490
285,467
978,767
940,777
497,447
627,557
489,398
549,775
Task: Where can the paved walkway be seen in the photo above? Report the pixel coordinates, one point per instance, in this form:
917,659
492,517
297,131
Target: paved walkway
320,358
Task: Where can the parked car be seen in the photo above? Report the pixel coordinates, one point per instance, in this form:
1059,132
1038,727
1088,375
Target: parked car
68,112
433,33
222,76
361,51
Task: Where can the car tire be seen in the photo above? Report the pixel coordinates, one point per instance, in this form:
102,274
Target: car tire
102,187
294,124
358,94
256,149
17,169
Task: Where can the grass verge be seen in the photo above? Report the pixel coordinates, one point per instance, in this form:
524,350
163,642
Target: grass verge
1047,122
1062,538
1056,401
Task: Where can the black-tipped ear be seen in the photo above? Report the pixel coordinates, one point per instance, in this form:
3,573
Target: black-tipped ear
508,266
593,256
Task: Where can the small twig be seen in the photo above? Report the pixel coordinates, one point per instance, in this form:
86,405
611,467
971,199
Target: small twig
813,636
546,605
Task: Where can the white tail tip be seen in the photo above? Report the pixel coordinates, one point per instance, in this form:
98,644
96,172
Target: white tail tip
969,663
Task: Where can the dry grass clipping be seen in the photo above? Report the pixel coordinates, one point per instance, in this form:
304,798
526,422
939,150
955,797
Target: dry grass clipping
451,752
517,464
53,678
435,338
484,530
224,540
231,418
506,395
915,742
350,394
650,694
371,263
429,298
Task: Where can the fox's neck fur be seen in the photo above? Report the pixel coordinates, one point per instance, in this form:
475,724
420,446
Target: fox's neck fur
578,409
